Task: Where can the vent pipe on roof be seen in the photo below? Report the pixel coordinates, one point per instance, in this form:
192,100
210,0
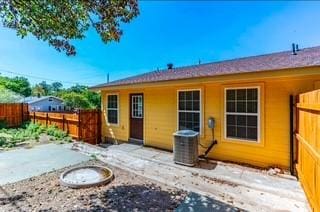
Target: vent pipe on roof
294,49
297,48
170,65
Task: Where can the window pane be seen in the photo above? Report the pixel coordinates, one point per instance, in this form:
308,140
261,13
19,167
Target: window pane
190,121
231,120
241,120
241,132
231,107
196,105
252,107
182,117
196,95
188,105
242,94
113,116
241,107
252,94
182,95
188,95
231,131
252,121
196,117
231,95
189,116
182,105
189,125
252,133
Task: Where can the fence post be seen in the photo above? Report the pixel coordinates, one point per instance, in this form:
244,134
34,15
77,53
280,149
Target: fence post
79,124
63,120
47,117
34,117
22,115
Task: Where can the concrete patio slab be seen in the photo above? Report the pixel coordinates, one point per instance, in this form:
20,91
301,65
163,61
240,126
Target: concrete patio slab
233,185
19,164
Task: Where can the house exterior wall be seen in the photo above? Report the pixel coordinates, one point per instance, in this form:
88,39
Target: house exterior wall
160,116
44,104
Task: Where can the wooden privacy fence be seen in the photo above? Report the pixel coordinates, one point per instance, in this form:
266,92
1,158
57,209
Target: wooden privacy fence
82,125
14,114
308,145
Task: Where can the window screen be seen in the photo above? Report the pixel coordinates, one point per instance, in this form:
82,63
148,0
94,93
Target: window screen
242,113
189,110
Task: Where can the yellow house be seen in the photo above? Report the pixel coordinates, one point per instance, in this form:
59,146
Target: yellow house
248,98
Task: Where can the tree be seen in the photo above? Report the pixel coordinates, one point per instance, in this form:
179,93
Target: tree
19,85
8,96
79,96
59,22
76,101
38,90
46,87
56,87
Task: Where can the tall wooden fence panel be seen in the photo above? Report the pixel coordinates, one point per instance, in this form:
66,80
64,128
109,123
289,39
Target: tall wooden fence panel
81,125
308,140
14,114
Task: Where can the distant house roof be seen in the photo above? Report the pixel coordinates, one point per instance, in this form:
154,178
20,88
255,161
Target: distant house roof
33,99
308,57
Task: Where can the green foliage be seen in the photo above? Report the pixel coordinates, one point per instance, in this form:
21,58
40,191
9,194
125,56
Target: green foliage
80,96
76,100
8,96
2,141
75,97
30,132
38,90
19,85
56,133
59,22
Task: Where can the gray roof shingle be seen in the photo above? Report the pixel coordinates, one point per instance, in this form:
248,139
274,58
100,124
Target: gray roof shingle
308,57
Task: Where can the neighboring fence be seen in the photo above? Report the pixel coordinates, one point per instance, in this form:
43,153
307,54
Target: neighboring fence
82,125
308,143
14,114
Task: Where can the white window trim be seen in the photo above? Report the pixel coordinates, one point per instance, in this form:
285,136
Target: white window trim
118,108
258,114
191,111
132,109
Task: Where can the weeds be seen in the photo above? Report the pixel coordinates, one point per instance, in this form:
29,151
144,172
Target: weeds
29,133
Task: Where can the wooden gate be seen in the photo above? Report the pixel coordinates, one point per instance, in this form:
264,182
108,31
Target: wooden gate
308,145
83,125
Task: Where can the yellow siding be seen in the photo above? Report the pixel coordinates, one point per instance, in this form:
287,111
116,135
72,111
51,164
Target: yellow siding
160,118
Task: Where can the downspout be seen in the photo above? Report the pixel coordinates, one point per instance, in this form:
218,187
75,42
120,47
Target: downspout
292,172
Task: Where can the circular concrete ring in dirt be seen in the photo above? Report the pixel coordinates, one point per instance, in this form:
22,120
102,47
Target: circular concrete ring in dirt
86,176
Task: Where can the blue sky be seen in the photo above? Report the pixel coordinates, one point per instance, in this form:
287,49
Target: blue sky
177,32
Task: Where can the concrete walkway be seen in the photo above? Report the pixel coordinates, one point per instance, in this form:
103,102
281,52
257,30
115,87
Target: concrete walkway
19,164
227,184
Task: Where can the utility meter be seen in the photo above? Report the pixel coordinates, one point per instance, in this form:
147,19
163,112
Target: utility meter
211,123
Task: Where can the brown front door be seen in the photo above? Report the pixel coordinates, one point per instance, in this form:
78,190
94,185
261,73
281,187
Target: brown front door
136,116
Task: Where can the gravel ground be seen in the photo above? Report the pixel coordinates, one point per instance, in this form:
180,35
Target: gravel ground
127,192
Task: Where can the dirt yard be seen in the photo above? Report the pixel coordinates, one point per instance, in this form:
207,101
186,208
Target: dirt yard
127,192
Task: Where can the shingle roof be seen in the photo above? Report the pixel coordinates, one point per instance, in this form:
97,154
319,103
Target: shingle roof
308,57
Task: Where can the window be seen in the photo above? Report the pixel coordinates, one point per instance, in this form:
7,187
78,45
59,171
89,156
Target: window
242,113
113,109
189,110
137,108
